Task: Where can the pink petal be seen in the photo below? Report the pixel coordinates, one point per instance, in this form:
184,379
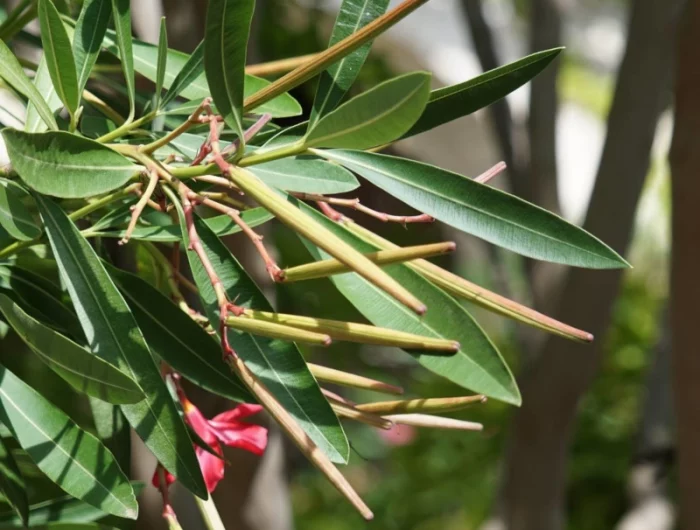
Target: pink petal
198,422
169,479
241,411
212,467
252,438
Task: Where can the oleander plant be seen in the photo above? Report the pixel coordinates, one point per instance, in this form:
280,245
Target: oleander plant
99,170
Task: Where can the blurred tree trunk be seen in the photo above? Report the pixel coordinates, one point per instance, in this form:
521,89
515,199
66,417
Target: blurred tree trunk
535,475
685,255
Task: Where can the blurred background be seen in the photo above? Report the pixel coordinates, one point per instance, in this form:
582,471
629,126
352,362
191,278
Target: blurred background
595,444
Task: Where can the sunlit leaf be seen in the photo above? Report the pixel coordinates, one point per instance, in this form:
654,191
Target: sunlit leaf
43,83
89,33
121,14
191,70
304,174
162,62
481,210
66,165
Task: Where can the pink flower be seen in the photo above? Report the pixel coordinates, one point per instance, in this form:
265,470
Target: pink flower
225,428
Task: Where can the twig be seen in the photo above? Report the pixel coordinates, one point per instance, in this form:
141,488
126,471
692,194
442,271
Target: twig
356,205
138,208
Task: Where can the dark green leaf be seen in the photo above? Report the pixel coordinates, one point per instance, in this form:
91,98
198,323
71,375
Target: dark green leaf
59,55
307,175
375,117
13,74
481,210
335,82
221,225
87,39
121,11
14,215
177,339
84,371
61,509
112,334
12,484
225,47
278,364
66,165
71,457
191,70
452,102
477,366
162,62
113,429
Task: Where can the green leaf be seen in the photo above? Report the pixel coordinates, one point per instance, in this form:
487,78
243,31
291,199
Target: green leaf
44,84
74,459
193,85
221,225
177,339
481,210
162,62
84,371
113,335
277,363
306,175
225,47
14,215
113,430
59,55
59,509
191,70
335,82
12,484
375,117
73,526
477,366
66,165
452,102
11,71
121,11
87,39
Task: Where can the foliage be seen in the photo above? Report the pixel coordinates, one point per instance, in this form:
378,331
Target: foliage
82,174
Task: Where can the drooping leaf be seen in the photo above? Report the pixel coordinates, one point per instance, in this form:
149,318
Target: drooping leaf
87,40
278,364
177,339
14,215
307,175
66,165
162,62
84,371
335,82
225,47
12,484
191,70
60,509
477,366
59,55
11,71
375,117
195,87
113,430
74,459
112,334
452,102
221,225
121,14
481,210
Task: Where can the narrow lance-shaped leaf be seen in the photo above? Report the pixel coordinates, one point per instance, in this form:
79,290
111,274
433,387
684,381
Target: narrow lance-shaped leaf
113,430
14,215
59,55
452,102
177,339
225,46
112,334
87,40
74,459
278,364
477,366
481,210
12,485
307,175
11,71
335,82
162,62
42,81
191,70
121,11
375,117
66,165
84,371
